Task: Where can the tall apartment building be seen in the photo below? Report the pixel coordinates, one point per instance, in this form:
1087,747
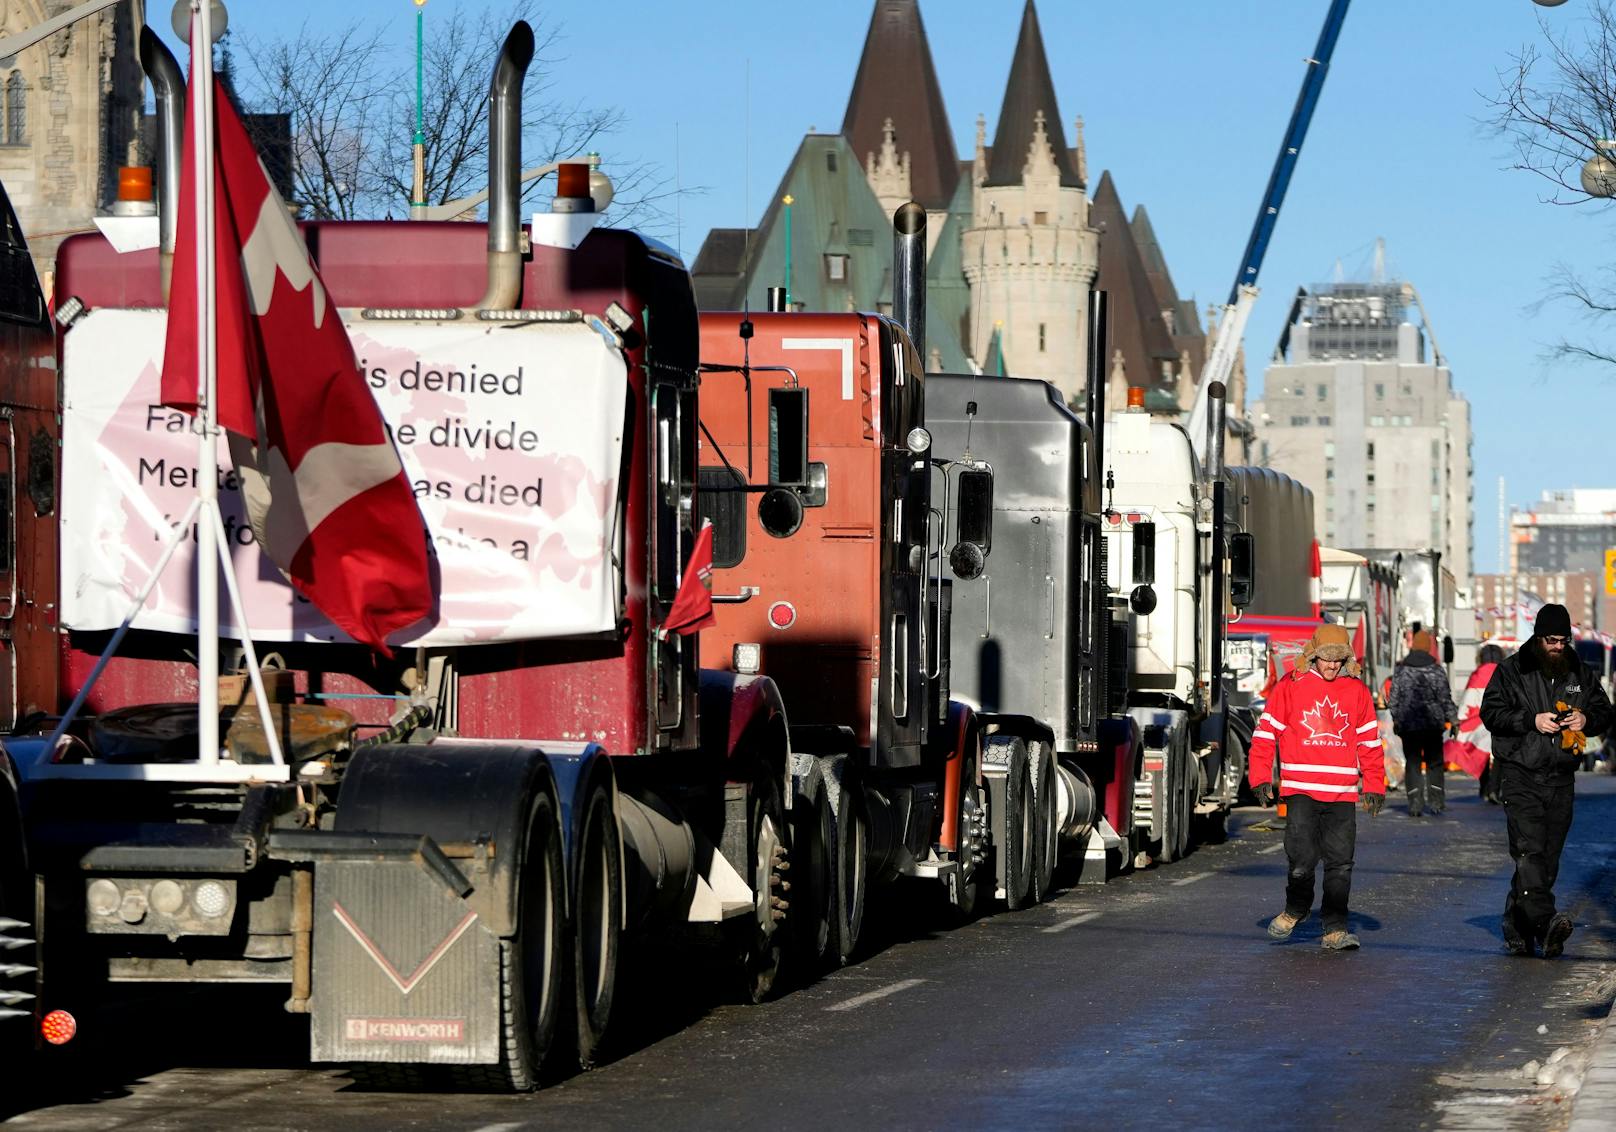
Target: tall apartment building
1563,531
1356,410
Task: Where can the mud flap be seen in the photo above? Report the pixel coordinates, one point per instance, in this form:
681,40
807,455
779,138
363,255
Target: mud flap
405,970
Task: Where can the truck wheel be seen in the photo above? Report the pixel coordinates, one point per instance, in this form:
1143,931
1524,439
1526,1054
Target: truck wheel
1018,830
760,937
531,966
1043,783
813,843
1172,805
973,874
1190,797
849,857
595,940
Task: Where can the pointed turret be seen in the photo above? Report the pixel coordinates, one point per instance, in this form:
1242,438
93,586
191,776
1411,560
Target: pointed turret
897,83
1137,328
1029,96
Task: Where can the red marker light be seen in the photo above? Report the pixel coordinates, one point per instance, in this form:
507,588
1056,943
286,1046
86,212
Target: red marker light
782,615
1134,516
58,1027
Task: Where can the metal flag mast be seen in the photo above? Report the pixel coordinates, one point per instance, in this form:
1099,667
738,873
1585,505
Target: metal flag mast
213,546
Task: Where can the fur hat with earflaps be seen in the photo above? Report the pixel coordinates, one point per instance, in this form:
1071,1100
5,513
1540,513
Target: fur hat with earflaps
1329,642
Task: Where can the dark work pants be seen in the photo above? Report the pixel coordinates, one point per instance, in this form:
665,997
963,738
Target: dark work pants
1539,816
1315,830
1424,787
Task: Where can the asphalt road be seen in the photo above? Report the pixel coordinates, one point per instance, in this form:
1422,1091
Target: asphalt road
1155,1001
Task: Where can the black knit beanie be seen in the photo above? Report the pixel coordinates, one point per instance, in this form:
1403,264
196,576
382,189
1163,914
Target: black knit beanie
1552,621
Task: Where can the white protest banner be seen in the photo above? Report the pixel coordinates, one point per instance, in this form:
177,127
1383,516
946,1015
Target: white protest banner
512,436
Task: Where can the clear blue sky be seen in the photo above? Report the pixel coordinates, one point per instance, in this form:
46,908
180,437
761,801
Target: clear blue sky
1185,102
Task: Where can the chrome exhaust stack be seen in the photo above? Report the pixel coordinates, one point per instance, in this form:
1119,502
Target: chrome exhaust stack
168,84
1216,418
505,170
909,274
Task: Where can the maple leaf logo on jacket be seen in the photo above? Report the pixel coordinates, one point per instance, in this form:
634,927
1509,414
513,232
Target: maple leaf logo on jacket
1326,721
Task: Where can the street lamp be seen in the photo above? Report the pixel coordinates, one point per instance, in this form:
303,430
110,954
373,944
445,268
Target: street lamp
1599,171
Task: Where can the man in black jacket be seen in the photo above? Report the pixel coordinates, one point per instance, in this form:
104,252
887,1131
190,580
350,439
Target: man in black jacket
1537,771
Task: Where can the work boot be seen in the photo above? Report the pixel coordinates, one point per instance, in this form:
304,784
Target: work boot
1558,932
1517,943
1282,925
1339,941
1416,803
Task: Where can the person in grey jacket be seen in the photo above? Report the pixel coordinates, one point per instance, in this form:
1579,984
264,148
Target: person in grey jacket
1537,705
1422,706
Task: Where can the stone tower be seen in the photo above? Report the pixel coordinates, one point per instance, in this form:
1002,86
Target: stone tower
69,116
1030,254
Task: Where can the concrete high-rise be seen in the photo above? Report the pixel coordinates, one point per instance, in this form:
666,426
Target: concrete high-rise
1357,410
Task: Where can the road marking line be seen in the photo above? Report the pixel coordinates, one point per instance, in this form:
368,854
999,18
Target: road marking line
1273,848
505,1126
1072,923
1191,879
859,1000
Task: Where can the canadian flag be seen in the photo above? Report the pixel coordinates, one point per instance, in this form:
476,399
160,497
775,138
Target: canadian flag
323,486
692,607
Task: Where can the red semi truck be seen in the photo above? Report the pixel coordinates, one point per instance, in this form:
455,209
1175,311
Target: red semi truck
443,868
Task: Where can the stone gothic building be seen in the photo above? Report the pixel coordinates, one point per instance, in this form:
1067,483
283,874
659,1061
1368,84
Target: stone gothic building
70,117
1016,241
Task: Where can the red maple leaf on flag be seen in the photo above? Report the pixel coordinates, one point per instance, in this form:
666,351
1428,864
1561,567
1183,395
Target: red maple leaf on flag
1326,721
323,486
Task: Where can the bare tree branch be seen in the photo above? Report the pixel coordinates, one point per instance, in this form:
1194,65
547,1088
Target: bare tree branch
1556,106
352,120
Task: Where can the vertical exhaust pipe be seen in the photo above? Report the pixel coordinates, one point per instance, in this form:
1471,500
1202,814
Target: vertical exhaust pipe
909,274
1099,347
1217,413
505,170
168,83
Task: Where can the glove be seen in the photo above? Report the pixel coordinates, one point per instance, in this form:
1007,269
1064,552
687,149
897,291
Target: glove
1264,793
1372,803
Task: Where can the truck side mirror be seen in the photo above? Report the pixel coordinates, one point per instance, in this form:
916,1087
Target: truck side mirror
975,542
788,437
1242,569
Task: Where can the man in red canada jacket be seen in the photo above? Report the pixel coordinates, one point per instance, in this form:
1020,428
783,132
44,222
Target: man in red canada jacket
1320,721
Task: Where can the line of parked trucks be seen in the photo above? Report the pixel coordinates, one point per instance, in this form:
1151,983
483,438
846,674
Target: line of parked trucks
966,637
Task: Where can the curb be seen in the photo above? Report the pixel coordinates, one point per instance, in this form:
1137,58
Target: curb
1593,1109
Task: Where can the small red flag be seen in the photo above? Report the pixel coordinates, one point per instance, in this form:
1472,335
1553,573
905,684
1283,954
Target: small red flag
693,605
323,486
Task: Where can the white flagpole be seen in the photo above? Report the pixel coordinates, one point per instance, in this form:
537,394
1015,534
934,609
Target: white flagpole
207,554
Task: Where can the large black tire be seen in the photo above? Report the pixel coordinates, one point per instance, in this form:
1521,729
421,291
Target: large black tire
596,941
973,879
759,939
851,857
1048,819
532,965
813,873
1016,830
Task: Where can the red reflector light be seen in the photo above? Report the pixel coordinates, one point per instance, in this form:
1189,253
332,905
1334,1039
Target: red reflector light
1133,516
58,1027
782,615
